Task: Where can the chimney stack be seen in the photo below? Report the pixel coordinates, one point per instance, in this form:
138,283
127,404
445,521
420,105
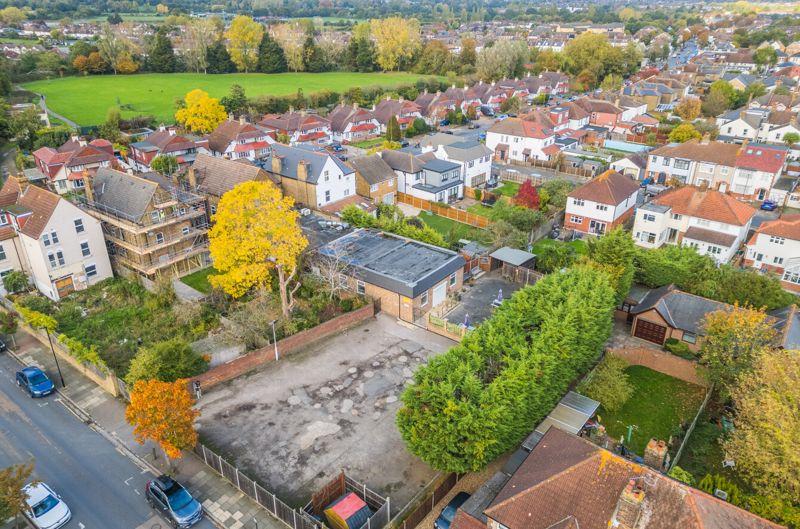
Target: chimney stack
302,171
88,186
629,507
242,119
192,178
230,116
277,163
22,182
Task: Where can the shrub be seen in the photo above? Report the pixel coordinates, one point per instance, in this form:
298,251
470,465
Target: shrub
477,194
608,383
480,398
166,361
679,348
16,281
681,475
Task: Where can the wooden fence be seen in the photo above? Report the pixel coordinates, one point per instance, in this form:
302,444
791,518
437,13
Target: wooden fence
428,504
458,215
560,168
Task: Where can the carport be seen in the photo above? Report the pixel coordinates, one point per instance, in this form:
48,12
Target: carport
517,265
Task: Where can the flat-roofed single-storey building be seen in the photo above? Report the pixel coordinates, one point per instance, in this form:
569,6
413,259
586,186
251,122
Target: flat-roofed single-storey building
408,278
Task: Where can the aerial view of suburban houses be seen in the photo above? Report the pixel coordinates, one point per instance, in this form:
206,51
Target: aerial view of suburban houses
399,265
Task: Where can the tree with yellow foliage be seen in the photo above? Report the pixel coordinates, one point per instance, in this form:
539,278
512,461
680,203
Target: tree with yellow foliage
255,233
200,112
162,9
162,412
764,443
396,40
734,342
243,36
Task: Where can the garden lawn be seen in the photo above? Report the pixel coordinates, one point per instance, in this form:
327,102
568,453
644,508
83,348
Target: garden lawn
508,189
657,408
581,248
86,99
368,144
480,209
703,453
199,280
444,226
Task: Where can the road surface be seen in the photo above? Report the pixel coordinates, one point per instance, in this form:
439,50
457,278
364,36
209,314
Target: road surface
102,487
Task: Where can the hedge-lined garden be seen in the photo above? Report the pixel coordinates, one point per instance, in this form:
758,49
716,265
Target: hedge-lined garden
482,397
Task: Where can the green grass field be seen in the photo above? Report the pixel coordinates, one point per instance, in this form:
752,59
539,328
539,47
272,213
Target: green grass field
199,280
86,100
508,189
444,226
581,248
660,403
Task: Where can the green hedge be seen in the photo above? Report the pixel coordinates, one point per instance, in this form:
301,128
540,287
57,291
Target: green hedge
482,397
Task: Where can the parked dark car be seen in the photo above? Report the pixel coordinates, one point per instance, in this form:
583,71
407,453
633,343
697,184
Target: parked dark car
35,382
449,512
769,205
337,147
487,111
3,346
404,143
168,496
444,123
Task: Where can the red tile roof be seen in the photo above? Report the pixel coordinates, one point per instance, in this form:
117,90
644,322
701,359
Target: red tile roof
706,204
40,202
761,158
788,226
610,188
566,481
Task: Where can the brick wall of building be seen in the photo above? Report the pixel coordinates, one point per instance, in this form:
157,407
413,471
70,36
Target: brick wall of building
290,344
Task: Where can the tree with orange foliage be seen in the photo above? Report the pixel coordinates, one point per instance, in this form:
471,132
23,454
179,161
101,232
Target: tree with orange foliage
162,412
527,196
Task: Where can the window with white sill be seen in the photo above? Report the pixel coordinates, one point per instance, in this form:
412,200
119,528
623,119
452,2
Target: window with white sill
774,239
649,217
2,253
85,250
578,201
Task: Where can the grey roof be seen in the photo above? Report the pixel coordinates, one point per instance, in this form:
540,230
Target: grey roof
216,176
785,184
464,151
120,192
484,496
658,208
315,157
33,174
680,310
373,169
396,264
512,256
439,138
406,162
440,166
788,326
696,233
436,189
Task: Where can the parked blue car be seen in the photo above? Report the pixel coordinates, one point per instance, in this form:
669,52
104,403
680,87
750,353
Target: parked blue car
35,382
769,205
449,512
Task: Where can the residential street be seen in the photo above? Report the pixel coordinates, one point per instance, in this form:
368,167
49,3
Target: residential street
102,487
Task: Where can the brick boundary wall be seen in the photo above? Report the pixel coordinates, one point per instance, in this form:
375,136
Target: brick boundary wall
290,344
667,363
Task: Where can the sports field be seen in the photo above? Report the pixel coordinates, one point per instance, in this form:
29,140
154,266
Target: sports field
86,99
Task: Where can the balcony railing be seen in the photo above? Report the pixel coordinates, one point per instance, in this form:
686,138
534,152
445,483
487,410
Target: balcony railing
163,261
151,245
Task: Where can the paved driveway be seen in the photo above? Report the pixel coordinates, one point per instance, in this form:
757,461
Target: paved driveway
476,301
296,423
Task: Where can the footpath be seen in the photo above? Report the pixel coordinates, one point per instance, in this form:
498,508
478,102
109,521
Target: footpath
225,505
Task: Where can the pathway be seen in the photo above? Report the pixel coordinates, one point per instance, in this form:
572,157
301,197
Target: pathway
185,292
43,105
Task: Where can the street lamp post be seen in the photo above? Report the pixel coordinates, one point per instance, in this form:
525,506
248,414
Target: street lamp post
53,350
274,338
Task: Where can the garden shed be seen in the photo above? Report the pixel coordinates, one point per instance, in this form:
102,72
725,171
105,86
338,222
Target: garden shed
517,265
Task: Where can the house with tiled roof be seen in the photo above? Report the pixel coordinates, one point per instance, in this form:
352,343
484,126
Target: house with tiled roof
351,123
300,126
311,175
757,168
601,113
435,106
404,110
213,177
474,158
714,223
775,248
695,162
524,138
426,176
567,482
375,179
601,204
58,246
66,167
237,139
164,142
757,124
